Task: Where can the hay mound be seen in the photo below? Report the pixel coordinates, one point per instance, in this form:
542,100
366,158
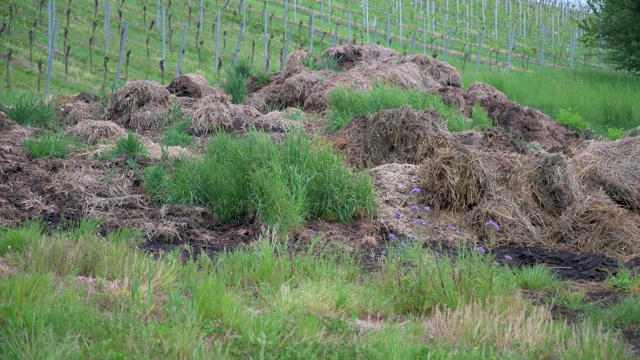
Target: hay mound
614,168
72,109
349,56
295,59
392,183
521,121
318,99
140,105
289,90
439,71
275,122
406,75
243,116
193,86
207,115
400,135
454,178
96,131
597,225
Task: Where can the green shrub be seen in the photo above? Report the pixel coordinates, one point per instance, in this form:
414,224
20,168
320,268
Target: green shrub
30,110
572,121
284,184
236,87
50,144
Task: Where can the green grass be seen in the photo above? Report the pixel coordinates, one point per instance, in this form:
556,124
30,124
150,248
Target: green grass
536,278
177,133
77,295
348,103
235,85
284,184
607,102
51,144
31,111
130,149
624,280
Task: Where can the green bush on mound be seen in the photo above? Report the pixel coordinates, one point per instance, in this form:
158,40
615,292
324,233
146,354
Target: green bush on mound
285,184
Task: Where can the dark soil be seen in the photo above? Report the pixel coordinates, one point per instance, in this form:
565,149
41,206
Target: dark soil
569,266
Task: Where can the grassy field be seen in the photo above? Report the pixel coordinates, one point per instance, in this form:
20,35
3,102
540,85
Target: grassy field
75,294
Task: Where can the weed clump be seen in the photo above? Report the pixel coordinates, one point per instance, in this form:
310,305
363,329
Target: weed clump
30,110
284,184
50,144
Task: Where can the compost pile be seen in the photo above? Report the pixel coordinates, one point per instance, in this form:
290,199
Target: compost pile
542,185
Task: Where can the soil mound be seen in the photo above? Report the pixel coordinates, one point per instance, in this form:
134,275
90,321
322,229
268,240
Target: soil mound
442,72
7,124
140,104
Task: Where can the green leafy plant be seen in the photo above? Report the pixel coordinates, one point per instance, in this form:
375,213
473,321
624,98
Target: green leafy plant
32,111
242,67
572,120
50,144
615,134
536,278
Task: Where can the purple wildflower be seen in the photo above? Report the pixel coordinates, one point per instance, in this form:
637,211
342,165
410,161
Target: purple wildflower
420,222
392,236
413,237
396,250
403,245
383,252
480,249
451,227
492,223
397,214
427,208
415,190
410,260
508,257
415,208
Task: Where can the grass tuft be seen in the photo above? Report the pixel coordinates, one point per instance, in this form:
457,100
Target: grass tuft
31,111
51,144
284,184
347,103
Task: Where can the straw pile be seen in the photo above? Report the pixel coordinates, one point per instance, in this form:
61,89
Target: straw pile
140,104
95,131
399,135
614,168
207,115
192,86
349,56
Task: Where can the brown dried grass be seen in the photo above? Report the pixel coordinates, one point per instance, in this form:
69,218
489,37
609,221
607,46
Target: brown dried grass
95,131
318,100
140,104
400,135
207,115
350,55
613,167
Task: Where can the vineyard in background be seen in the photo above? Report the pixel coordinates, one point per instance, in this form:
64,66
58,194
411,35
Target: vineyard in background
94,45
